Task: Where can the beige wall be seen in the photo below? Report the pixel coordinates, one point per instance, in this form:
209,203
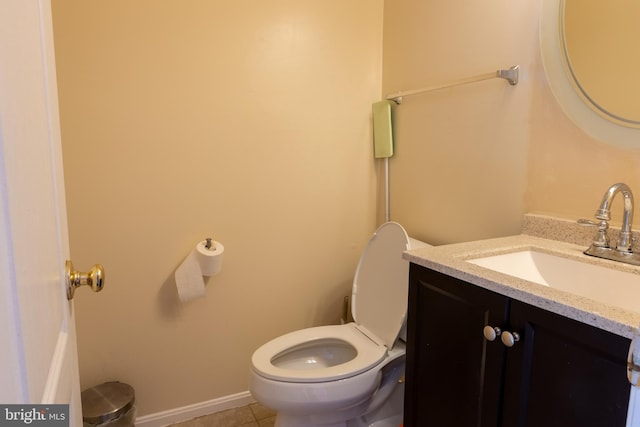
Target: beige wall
570,171
461,164
245,120
471,160
251,122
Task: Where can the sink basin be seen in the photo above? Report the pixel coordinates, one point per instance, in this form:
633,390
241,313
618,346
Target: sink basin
606,285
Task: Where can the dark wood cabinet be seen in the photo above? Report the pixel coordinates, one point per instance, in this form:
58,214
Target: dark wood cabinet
559,373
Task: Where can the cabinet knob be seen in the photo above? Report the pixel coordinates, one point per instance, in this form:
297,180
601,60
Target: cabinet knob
510,338
490,332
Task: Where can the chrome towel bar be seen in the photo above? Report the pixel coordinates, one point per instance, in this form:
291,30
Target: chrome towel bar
510,75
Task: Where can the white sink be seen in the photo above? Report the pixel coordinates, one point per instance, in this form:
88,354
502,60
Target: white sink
609,286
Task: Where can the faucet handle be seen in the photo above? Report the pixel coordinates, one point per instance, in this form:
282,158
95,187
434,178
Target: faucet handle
601,239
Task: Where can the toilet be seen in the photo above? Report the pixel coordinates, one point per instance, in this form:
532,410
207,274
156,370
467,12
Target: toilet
345,375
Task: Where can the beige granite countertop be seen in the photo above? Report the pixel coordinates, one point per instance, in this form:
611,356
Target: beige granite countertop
451,260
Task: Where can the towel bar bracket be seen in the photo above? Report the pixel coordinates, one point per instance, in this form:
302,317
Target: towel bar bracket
511,75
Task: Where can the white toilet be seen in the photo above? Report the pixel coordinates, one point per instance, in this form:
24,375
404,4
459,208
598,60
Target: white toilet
345,375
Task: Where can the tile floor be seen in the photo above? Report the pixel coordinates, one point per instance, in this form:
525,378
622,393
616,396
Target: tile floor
254,415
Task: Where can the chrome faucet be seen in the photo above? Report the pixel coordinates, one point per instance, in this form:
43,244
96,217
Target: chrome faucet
623,250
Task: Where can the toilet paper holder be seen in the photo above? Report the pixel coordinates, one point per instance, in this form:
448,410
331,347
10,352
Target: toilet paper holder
209,243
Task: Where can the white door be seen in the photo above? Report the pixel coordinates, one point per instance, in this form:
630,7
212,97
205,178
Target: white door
38,362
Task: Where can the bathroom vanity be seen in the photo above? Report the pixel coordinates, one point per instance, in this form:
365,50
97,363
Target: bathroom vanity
487,348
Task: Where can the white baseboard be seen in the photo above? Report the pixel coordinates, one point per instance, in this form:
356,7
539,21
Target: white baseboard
164,418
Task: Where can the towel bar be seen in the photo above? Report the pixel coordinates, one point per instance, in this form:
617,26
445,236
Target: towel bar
511,75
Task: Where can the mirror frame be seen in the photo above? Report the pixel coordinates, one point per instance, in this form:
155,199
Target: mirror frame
564,89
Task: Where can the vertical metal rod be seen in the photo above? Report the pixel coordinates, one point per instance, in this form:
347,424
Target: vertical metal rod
387,214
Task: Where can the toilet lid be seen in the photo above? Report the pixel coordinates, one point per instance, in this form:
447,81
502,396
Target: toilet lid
381,284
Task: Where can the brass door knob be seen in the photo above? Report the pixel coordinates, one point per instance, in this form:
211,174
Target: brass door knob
94,278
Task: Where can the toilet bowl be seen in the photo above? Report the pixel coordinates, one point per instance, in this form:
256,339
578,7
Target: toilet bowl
340,375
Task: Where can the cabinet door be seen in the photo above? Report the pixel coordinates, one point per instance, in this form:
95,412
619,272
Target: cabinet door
453,374
563,373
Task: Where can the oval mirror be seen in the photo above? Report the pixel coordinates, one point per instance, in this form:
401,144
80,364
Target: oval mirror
600,39
587,55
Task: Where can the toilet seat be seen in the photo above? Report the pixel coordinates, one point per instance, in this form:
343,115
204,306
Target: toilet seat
368,353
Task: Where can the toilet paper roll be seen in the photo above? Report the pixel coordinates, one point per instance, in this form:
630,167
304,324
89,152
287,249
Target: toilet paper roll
189,279
200,262
210,259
